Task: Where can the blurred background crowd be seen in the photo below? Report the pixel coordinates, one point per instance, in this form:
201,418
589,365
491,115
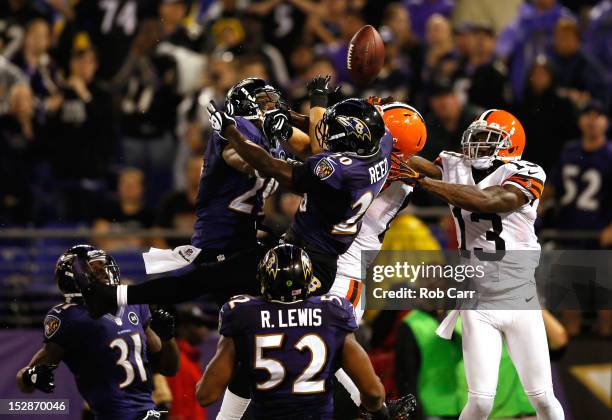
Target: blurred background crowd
102,131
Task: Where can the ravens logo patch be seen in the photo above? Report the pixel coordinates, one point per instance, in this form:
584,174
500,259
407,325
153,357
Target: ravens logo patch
324,169
52,324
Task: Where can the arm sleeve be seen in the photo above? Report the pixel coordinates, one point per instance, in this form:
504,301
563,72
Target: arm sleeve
226,317
318,171
342,315
529,179
407,364
57,327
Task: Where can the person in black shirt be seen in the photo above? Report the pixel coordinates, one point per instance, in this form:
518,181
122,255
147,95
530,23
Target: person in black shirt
83,137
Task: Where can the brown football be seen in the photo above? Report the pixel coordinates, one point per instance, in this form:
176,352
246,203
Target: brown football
366,56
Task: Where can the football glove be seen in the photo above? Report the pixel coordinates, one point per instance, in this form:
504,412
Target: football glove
401,171
277,125
318,90
398,409
219,120
163,324
40,377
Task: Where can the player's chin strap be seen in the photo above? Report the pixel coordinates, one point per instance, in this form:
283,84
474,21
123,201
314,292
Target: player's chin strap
398,409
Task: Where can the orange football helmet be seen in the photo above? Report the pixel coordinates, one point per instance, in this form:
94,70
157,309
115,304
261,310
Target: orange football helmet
407,128
496,134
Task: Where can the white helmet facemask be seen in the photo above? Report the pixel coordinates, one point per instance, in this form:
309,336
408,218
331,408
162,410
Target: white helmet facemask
481,143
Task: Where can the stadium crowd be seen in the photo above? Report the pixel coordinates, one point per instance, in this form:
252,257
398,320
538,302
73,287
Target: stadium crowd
102,123
100,101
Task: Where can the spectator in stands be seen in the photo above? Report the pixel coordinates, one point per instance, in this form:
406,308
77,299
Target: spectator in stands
393,77
497,14
441,59
36,63
149,100
578,74
528,36
111,28
580,186
171,15
193,326
10,75
548,118
177,211
421,11
126,213
283,23
410,55
254,44
14,16
320,65
18,132
487,75
83,138
254,66
597,38
446,121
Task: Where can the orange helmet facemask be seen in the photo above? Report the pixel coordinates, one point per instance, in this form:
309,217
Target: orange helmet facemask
496,134
407,128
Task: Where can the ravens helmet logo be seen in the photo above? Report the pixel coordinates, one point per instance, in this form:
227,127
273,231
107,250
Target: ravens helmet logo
306,265
271,264
356,126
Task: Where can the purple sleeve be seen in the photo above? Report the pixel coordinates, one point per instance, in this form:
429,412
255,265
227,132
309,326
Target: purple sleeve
57,327
226,316
319,170
341,313
145,314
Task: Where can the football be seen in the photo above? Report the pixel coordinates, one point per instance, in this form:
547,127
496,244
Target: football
366,56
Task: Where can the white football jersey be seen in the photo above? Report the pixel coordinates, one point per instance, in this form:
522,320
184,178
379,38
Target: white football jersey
381,212
503,231
508,276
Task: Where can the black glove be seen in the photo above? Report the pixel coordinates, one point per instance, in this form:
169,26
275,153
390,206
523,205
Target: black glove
401,171
219,120
318,90
163,324
398,409
40,377
99,298
277,125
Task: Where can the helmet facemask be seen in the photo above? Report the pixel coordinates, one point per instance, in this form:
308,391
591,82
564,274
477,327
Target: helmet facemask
481,144
104,269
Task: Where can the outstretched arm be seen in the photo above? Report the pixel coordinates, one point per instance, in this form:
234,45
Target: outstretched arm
254,155
258,158
494,199
356,363
218,373
425,167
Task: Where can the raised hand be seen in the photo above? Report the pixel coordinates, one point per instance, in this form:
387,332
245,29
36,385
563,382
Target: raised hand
277,125
219,120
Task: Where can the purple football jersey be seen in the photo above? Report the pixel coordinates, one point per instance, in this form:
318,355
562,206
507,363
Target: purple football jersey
338,189
108,357
583,186
229,202
291,350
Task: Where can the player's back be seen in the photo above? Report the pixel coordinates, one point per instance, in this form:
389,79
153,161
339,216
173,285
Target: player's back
329,216
292,351
229,202
108,357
